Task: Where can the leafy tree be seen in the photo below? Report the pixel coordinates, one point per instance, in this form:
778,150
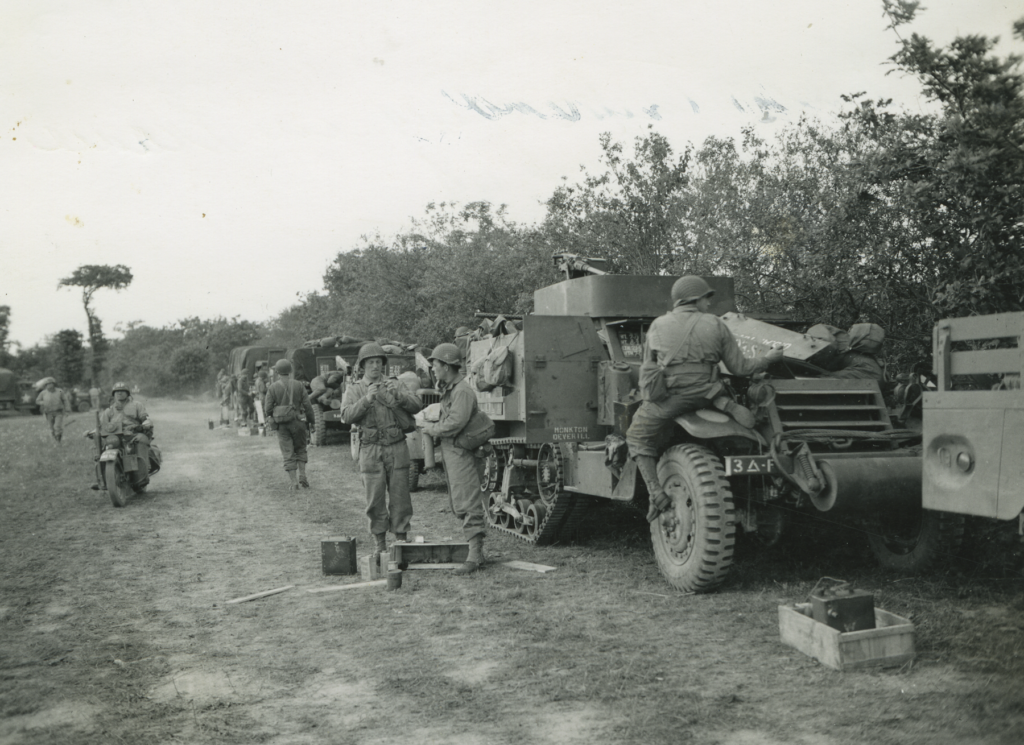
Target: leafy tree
69,357
190,366
630,213
5,324
93,277
958,174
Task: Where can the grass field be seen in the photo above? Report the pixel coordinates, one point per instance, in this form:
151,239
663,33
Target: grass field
114,626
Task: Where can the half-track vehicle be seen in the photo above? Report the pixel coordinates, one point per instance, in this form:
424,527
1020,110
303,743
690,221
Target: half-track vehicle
819,445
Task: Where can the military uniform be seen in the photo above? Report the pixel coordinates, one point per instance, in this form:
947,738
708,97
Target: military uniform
124,420
860,362
291,436
54,405
690,374
462,469
383,453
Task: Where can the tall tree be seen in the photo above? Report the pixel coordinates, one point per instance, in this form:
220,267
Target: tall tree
69,357
93,277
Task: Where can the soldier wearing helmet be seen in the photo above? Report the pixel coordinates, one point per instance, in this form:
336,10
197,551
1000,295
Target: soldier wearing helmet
126,417
860,361
462,469
54,403
285,403
370,403
688,342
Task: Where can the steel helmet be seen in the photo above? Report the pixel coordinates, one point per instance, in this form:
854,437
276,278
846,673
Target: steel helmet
121,387
689,289
866,338
447,353
283,367
368,350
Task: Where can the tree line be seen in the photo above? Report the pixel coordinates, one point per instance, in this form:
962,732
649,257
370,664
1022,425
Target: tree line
887,216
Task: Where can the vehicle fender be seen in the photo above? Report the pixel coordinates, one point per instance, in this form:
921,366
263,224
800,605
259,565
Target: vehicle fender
705,425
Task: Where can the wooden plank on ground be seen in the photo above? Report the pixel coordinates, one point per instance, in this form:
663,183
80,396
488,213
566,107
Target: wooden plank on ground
350,586
258,595
432,566
528,566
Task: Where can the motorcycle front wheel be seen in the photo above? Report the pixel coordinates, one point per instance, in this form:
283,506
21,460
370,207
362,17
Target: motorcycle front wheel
119,486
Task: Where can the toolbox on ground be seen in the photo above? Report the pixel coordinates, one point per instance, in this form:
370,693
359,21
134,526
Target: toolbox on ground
339,555
890,643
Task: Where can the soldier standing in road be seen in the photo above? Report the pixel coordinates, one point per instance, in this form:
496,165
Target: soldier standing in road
371,403
462,468
689,342
260,388
54,403
286,398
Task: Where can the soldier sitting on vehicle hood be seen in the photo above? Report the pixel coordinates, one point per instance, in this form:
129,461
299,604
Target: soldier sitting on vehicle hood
860,362
324,388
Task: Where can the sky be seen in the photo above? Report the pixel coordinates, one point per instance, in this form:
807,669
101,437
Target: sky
227,151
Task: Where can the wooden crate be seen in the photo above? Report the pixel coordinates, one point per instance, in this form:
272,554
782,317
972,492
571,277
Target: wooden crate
338,555
404,554
891,643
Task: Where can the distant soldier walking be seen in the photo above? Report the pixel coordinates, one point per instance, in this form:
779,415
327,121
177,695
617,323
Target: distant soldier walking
373,403
285,399
54,403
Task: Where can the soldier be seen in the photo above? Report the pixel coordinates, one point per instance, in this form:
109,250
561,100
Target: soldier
260,397
860,362
285,399
383,453
689,342
54,404
128,418
225,386
325,388
246,410
462,469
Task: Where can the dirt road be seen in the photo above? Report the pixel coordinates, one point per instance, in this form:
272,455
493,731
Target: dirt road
114,625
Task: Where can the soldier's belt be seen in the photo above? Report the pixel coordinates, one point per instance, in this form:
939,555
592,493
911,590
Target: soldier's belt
689,367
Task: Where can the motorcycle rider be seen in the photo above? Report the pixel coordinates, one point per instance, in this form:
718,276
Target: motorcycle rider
126,418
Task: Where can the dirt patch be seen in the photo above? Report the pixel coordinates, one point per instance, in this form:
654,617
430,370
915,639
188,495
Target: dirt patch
114,625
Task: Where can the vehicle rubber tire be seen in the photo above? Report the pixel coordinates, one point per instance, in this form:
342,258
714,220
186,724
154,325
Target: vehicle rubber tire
415,466
916,542
695,538
318,432
118,484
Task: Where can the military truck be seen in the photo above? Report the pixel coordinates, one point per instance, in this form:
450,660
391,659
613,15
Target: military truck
973,422
819,445
323,356
16,394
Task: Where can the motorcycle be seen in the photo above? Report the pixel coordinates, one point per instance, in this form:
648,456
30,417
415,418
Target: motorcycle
120,471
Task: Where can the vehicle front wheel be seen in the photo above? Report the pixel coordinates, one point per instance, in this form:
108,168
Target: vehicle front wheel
119,485
917,541
318,432
694,539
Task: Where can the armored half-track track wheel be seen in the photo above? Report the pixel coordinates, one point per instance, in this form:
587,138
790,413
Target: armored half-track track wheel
694,539
519,521
916,541
549,472
535,515
495,514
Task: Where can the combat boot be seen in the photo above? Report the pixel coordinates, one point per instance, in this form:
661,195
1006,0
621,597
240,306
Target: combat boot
648,467
475,558
380,543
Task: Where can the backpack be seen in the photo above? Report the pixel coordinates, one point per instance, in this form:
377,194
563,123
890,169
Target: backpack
495,368
478,430
284,413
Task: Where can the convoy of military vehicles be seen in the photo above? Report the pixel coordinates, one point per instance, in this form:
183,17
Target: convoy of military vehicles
819,445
